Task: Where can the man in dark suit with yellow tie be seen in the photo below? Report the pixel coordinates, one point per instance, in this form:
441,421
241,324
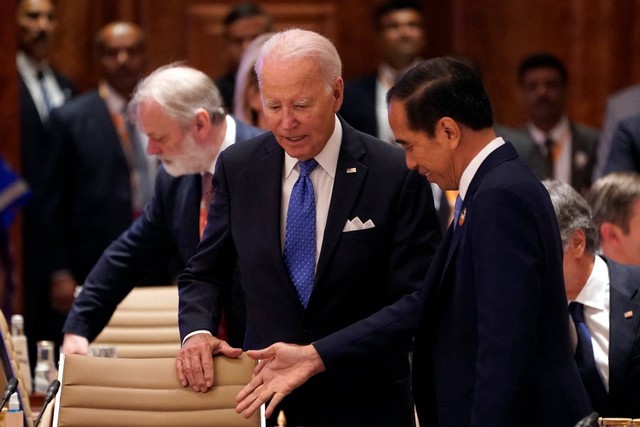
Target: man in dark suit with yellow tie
368,228
605,307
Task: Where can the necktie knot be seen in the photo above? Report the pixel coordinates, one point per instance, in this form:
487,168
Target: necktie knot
456,211
576,310
307,166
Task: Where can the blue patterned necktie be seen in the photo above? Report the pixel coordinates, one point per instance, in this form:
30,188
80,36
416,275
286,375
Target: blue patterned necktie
584,357
45,94
300,236
456,211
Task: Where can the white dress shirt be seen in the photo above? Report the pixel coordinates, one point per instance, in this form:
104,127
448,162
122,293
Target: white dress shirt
595,298
561,135
28,70
322,178
474,165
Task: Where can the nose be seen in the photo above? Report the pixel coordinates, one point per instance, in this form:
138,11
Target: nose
153,148
411,164
44,22
289,120
123,56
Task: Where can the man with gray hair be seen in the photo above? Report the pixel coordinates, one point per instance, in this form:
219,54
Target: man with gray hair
181,111
615,201
604,306
328,229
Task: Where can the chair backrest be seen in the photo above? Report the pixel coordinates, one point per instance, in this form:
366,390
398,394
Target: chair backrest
11,368
117,392
145,324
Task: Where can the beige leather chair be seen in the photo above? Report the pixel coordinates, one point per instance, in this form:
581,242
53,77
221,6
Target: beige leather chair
11,368
116,392
145,324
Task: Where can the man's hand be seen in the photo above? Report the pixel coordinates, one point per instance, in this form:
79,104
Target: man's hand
75,344
62,290
194,362
282,369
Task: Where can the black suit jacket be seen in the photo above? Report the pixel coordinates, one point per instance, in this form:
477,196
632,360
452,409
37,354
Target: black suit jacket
358,273
625,147
359,106
88,184
584,142
623,399
35,149
492,347
168,228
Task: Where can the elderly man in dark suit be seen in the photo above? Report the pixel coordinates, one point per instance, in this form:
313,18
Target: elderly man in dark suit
327,228
604,297
187,139
492,344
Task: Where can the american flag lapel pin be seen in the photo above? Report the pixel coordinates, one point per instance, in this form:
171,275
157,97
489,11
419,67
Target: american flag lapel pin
462,217
628,314
351,170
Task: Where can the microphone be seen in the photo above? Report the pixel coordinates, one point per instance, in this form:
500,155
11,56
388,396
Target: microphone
10,388
48,397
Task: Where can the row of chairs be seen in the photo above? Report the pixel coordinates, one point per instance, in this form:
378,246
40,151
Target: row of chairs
139,387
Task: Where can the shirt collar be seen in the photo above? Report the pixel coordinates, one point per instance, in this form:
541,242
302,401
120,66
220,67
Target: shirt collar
229,139
474,165
28,67
327,158
593,293
115,102
557,132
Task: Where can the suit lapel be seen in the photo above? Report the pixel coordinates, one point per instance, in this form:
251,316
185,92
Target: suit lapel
346,188
624,319
268,170
503,153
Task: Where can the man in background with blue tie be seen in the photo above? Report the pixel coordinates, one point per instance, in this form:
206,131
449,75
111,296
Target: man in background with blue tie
41,89
605,307
327,228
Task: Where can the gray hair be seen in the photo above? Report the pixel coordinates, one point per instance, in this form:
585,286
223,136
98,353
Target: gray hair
573,214
180,91
296,44
611,198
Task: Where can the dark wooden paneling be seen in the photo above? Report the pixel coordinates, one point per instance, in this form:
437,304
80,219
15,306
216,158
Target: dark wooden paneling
598,40
10,130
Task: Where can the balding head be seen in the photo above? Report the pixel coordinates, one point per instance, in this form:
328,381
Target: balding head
121,51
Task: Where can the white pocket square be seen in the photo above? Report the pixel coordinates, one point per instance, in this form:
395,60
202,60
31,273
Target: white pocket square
356,224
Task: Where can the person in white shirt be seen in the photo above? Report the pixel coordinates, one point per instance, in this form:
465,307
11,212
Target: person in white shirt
607,293
565,147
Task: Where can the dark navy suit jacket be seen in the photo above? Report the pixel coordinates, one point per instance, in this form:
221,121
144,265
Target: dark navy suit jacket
623,399
35,157
625,147
358,273
359,106
88,184
492,346
168,228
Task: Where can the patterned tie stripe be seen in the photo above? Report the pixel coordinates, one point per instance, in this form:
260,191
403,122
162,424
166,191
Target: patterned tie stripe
300,235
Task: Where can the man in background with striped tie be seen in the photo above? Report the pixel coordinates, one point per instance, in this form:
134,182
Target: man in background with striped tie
181,111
